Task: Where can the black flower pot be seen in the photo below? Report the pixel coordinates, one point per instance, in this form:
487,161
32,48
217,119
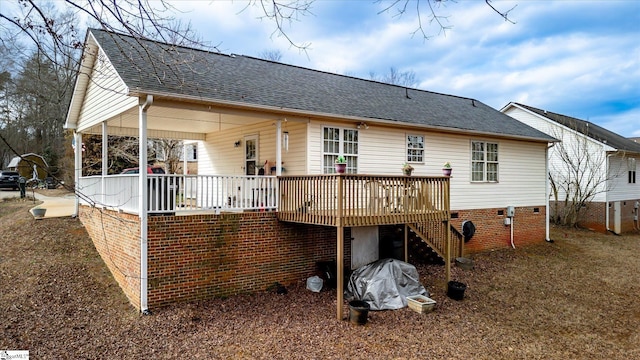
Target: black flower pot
455,290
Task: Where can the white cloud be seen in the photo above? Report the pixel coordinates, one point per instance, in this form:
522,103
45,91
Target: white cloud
574,57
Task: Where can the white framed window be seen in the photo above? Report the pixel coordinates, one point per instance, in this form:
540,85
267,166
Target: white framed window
631,163
484,161
336,142
191,151
251,154
415,148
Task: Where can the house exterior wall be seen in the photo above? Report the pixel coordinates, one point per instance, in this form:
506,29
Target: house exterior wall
382,151
620,189
614,187
106,95
116,236
594,215
219,156
571,141
491,232
203,256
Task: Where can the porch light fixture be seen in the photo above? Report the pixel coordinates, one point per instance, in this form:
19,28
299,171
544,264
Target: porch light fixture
285,140
362,125
237,143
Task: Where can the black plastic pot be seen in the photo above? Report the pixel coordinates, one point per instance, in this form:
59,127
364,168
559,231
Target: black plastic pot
455,290
358,312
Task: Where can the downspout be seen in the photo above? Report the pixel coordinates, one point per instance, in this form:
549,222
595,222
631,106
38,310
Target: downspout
278,148
606,194
142,204
77,138
546,191
636,221
105,160
512,244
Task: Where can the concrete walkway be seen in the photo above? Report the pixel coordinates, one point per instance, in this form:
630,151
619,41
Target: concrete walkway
57,206
62,206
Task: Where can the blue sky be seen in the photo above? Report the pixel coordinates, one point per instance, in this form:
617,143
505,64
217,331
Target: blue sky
577,58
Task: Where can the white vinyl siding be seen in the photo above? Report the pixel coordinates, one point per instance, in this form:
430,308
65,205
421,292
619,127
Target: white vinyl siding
608,190
619,187
106,95
382,151
219,156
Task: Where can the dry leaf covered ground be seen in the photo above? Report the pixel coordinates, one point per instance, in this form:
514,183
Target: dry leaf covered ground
574,299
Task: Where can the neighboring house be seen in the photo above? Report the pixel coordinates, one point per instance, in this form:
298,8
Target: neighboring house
31,166
605,159
267,205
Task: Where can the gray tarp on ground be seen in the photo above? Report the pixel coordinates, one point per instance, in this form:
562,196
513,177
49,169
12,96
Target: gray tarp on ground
385,284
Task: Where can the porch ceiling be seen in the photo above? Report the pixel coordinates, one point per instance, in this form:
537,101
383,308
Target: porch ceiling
182,120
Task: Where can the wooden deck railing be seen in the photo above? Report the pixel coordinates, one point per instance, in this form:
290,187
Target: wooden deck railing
434,234
363,200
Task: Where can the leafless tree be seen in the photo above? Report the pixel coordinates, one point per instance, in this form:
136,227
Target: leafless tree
272,55
395,77
426,12
169,152
577,174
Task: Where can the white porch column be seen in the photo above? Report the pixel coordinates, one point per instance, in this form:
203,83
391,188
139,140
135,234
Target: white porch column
143,200
105,161
278,147
77,163
184,158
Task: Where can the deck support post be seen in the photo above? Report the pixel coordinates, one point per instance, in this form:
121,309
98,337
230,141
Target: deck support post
340,249
406,243
340,270
447,260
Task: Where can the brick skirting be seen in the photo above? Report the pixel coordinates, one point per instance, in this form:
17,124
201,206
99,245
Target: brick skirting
198,257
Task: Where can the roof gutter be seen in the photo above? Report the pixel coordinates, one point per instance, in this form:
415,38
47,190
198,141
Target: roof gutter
294,112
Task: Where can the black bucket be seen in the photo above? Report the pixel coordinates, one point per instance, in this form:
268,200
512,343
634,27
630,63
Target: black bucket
455,290
358,312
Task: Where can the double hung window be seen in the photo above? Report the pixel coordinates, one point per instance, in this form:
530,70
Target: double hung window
339,142
484,161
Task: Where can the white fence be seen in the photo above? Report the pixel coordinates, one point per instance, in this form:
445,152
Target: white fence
178,193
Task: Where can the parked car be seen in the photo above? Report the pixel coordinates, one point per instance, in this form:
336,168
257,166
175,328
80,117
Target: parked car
50,182
9,179
150,170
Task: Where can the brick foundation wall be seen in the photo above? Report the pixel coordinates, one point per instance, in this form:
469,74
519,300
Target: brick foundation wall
627,212
203,256
529,227
594,216
116,236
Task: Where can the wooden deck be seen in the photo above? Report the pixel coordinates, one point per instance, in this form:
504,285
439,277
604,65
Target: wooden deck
363,200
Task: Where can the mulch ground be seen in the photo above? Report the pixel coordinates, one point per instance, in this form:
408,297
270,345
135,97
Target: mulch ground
576,298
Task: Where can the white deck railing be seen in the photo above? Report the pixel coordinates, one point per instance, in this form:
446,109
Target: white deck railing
181,193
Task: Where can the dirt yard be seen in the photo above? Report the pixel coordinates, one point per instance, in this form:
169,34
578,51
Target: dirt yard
576,298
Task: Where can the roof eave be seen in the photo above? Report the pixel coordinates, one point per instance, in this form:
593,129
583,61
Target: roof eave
328,116
82,82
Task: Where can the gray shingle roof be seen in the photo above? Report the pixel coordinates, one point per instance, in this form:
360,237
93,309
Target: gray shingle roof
148,66
590,129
